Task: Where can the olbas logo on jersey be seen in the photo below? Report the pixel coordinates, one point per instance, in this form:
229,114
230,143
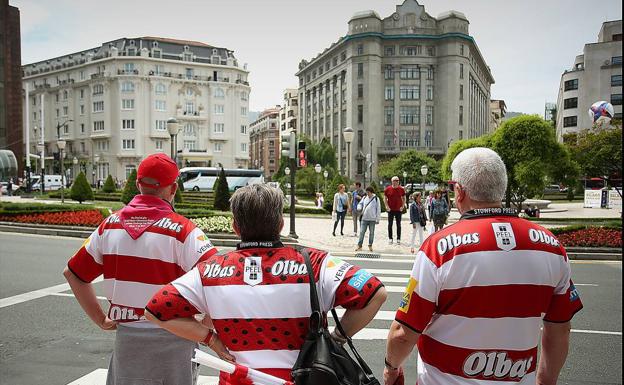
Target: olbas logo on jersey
452,241
540,236
214,270
496,365
407,296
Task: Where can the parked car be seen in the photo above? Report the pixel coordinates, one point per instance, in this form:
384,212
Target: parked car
552,189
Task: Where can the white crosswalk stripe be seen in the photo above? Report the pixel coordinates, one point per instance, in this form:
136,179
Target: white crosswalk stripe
98,377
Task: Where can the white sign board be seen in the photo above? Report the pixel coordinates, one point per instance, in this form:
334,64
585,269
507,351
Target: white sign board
615,200
592,198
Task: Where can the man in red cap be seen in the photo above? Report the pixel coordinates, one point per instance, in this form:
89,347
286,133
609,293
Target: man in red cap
139,249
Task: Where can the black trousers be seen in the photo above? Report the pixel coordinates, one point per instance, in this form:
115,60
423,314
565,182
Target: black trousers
394,215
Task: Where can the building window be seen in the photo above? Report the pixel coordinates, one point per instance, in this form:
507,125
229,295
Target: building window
360,49
127,144
218,147
570,85
431,51
389,51
360,138
461,134
243,129
65,111
389,116
98,89
409,92
570,103
412,51
160,89
161,125
429,113
616,99
129,169
343,56
428,138
82,128
430,92
127,104
127,87
461,71
129,68
243,147
98,125
409,115
410,72
430,73
360,93
218,93
243,111
159,144
461,49
159,69
616,80
189,108
97,106
189,144
569,121
461,116
388,72
219,128
189,72
461,92
160,105
65,95
360,70
244,96
81,94
219,109
389,93
189,129
360,116
616,60
127,124
58,113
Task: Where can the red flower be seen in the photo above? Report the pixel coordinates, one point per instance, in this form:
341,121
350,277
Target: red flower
592,237
72,218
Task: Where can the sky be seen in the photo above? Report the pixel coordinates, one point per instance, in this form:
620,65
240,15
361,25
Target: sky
527,43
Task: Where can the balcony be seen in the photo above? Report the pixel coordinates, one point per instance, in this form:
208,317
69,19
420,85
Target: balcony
190,115
128,72
393,150
98,75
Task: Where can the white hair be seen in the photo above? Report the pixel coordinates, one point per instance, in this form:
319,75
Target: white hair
482,173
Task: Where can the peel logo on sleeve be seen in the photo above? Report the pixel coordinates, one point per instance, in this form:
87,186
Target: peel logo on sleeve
407,296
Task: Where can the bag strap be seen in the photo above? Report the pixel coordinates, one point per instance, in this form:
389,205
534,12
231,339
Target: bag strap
314,301
367,370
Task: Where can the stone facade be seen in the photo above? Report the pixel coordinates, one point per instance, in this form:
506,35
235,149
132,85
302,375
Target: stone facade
289,112
408,81
596,75
498,110
117,98
264,137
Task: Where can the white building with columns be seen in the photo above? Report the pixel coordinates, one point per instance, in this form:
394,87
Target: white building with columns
117,98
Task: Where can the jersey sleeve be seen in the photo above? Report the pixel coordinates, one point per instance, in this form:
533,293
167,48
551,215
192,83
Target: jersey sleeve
418,303
168,304
346,285
87,263
196,248
565,301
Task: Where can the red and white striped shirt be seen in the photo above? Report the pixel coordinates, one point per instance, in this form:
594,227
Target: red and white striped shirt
478,293
259,300
135,269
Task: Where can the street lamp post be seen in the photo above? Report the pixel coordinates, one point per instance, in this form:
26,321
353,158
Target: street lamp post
287,171
41,149
61,146
75,163
347,133
317,169
96,160
424,170
404,177
173,127
325,175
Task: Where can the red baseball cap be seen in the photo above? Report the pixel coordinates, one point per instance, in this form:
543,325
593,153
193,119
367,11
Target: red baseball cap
159,167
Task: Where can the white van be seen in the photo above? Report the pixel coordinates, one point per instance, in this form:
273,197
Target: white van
52,182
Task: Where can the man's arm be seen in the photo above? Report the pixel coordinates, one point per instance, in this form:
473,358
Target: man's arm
401,342
555,344
403,200
85,295
355,320
386,202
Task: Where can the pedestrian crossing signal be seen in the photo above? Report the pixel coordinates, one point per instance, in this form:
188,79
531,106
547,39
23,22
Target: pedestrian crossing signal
301,155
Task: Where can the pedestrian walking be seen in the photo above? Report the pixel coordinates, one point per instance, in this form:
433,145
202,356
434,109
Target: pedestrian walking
394,199
10,187
258,296
428,205
340,208
418,220
356,197
139,249
439,211
370,206
519,266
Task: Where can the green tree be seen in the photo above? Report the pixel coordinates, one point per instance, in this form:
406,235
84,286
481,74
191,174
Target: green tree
377,190
222,192
109,185
410,161
130,190
81,190
456,148
305,179
332,188
598,153
532,156
178,195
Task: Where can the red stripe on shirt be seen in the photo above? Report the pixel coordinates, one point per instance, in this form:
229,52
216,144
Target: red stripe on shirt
419,312
137,269
284,374
496,301
241,335
454,360
84,266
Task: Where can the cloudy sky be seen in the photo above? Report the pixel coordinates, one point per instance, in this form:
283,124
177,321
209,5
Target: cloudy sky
526,43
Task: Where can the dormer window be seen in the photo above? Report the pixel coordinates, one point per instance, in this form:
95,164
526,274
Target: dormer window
132,42
155,44
156,53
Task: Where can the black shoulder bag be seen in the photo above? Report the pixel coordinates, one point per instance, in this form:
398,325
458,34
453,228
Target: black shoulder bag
323,361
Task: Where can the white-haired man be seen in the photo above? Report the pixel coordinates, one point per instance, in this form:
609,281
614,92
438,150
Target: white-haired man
481,289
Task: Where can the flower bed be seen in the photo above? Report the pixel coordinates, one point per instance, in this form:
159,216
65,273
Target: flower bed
72,218
216,224
591,237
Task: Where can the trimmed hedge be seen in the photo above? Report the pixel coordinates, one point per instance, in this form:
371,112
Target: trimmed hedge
305,210
32,208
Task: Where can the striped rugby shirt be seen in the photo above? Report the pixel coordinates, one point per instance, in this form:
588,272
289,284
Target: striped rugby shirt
135,269
258,298
478,292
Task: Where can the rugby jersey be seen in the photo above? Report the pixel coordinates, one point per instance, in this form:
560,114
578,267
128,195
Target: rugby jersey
259,300
134,269
478,292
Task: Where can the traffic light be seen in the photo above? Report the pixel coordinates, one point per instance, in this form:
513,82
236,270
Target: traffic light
288,145
301,155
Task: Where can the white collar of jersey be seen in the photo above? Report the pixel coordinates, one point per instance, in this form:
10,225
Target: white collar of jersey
490,211
259,244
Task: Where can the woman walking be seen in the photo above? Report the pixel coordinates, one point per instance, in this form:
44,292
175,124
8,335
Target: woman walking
340,208
370,208
440,210
418,219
